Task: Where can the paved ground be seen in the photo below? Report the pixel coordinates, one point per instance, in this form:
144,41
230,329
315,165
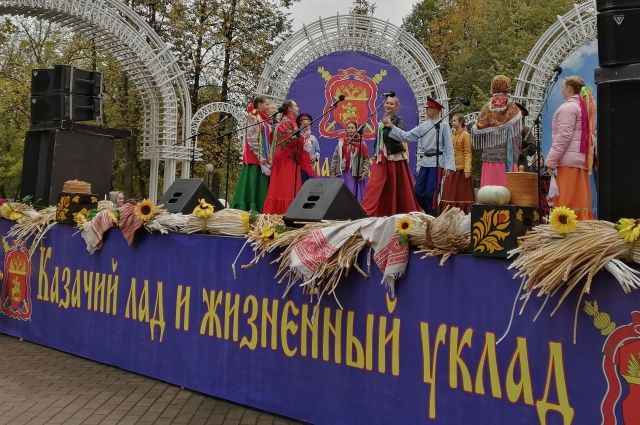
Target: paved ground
43,386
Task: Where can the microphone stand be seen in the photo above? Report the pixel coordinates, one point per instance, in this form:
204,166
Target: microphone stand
437,127
360,131
536,122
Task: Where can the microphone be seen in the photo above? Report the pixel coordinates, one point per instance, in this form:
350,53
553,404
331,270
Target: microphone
556,72
389,94
338,100
464,101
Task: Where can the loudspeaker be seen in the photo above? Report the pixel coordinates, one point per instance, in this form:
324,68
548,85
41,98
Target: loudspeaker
65,107
65,79
51,157
184,194
324,199
618,148
618,41
604,5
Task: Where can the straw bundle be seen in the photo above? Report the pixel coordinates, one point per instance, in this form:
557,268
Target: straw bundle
551,263
445,235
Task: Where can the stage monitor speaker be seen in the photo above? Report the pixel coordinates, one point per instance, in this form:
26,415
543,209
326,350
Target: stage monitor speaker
65,107
324,199
618,147
604,5
184,194
51,157
65,79
618,40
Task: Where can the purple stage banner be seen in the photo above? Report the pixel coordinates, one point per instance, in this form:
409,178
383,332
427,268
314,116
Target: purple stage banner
362,78
170,308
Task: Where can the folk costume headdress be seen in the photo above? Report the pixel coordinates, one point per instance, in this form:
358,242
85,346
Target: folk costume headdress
500,120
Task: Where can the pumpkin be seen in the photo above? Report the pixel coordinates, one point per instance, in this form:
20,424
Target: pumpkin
494,195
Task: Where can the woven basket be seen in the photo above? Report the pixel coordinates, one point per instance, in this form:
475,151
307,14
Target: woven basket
523,188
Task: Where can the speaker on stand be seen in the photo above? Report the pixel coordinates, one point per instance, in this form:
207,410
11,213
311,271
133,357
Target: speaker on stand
323,199
618,81
184,194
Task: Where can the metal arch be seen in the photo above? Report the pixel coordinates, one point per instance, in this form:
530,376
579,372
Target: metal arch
120,32
571,31
211,108
358,33
471,118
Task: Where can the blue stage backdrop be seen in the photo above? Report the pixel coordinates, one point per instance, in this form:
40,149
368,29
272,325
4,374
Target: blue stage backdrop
362,78
169,308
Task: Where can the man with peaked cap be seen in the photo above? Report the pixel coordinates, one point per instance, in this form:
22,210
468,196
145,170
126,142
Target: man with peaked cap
435,142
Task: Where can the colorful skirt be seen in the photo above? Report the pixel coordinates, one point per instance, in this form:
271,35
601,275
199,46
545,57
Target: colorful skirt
251,190
458,192
390,189
356,186
575,191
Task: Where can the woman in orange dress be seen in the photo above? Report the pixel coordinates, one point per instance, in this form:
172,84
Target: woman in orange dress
571,154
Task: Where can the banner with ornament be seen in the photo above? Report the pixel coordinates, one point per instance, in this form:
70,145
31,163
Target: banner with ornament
458,344
363,79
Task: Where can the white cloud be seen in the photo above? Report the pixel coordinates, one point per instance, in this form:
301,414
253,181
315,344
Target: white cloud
307,11
576,59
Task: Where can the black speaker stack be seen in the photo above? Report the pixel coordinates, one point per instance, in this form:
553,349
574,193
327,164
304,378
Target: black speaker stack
57,148
618,80
65,93
323,199
184,194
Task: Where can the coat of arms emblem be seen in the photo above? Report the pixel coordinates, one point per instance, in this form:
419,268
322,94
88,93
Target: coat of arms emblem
360,93
15,300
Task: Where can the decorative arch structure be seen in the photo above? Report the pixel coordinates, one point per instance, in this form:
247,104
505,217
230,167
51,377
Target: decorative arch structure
211,108
357,33
119,31
571,31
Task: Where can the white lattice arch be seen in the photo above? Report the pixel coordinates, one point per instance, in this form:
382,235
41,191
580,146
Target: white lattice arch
119,31
218,107
356,33
571,31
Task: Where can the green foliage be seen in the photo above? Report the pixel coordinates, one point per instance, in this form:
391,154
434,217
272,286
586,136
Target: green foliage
363,7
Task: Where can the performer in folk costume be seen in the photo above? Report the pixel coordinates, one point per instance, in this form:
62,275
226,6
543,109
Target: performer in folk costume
434,144
572,146
253,184
389,189
498,132
351,161
286,147
311,152
458,186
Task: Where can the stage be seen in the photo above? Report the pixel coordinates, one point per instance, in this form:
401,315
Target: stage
169,308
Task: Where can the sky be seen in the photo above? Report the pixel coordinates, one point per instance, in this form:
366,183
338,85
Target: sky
307,11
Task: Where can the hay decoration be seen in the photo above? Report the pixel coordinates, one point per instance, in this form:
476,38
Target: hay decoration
33,224
226,222
445,235
553,264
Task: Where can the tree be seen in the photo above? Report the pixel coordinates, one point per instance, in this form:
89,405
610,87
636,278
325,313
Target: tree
363,7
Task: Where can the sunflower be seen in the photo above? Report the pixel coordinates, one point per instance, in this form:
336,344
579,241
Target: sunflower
5,211
79,218
203,209
145,210
244,220
403,226
114,215
628,229
268,234
563,220
16,216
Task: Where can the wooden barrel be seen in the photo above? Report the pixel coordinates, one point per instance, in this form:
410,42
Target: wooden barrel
523,188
